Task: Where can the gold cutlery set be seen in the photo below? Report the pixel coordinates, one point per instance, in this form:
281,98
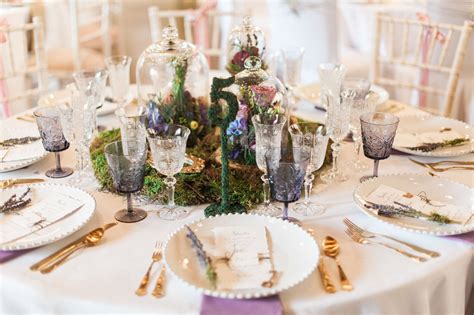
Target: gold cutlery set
159,289
59,257
446,165
362,236
330,248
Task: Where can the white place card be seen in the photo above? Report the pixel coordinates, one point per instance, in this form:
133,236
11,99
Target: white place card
242,246
17,224
387,195
406,139
22,152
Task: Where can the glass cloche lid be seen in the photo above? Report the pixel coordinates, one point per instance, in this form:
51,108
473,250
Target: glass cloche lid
245,40
173,81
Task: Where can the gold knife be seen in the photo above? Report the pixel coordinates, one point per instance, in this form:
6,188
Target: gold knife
159,289
67,249
327,283
10,182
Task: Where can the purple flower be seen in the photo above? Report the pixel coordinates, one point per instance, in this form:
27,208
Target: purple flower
234,154
155,120
236,128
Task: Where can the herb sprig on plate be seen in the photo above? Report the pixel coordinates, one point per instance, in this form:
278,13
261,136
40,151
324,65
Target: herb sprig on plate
15,202
428,147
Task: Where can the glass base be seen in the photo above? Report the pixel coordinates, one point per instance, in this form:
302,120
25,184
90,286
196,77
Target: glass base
331,176
291,219
270,210
130,217
308,209
364,178
63,172
173,213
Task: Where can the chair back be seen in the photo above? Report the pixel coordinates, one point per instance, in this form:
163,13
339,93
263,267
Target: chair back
432,48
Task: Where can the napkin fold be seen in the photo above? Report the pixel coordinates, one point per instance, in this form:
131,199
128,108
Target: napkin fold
6,255
264,306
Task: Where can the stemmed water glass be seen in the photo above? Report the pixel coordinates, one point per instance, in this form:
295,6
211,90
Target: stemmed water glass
286,178
268,137
128,171
50,128
119,76
292,62
360,104
92,84
168,148
316,143
338,128
330,76
132,124
378,133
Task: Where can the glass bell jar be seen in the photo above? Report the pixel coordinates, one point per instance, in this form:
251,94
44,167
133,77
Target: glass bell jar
245,40
257,92
173,82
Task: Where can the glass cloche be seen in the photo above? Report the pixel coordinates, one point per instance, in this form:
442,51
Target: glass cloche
257,92
173,82
244,41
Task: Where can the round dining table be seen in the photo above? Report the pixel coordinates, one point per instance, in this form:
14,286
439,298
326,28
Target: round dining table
103,279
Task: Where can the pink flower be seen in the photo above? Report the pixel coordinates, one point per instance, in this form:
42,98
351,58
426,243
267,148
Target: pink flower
240,57
264,95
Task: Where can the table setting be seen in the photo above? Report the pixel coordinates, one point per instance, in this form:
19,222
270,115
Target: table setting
237,193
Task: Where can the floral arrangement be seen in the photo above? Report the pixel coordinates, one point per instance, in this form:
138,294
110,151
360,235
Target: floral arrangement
178,106
236,64
254,99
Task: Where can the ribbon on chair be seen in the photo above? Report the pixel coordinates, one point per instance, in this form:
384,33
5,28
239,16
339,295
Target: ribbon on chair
3,82
425,43
201,26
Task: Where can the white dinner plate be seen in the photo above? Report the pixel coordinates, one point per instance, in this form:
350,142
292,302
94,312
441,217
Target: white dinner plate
57,230
436,188
14,128
288,241
310,93
62,96
419,124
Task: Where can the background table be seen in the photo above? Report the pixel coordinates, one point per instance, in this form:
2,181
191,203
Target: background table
103,279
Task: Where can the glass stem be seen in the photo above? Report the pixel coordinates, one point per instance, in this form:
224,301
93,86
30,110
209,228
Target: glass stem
266,190
357,145
335,153
285,211
308,186
58,161
170,182
376,168
129,203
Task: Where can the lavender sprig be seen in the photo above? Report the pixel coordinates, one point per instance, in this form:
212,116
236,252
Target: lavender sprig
203,258
17,141
402,210
428,147
15,203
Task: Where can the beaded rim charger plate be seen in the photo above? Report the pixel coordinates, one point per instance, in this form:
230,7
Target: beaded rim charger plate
59,229
287,241
436,188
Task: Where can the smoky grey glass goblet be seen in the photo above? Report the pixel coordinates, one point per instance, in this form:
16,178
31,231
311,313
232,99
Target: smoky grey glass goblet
51,131
128,171
378,133
286,177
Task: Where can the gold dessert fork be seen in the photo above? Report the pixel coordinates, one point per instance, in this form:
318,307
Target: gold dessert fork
156,257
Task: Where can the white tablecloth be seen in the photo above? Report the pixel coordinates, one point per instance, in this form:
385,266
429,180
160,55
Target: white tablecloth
103,279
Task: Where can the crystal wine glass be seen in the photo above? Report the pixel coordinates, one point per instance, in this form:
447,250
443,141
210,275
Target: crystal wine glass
268,136
168,148
92,84
316,143
119,76
330,76
359,105
378,133
128,171
132,124
49,127
338,128
286,178
292,62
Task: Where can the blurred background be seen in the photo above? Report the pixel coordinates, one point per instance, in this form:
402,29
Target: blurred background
78,34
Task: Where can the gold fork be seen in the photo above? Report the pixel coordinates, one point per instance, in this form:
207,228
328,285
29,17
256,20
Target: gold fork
159,289
437,169
444,162
362,240
156,257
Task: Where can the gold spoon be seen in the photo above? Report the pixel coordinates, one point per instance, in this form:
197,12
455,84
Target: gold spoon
331,249
90,240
